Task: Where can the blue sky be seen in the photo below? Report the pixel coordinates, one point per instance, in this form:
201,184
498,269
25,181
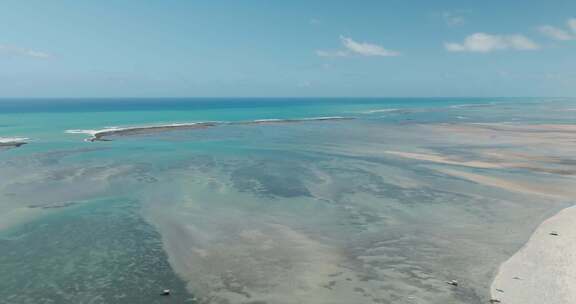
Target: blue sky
154,48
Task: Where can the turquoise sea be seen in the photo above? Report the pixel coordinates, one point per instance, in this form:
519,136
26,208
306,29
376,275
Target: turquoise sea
294,210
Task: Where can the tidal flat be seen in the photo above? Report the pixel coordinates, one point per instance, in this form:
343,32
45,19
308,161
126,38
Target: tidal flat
386,207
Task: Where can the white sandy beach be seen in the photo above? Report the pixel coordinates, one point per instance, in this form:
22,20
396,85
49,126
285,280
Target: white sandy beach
544,270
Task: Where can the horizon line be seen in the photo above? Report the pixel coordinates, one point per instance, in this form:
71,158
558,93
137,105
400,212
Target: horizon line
266,97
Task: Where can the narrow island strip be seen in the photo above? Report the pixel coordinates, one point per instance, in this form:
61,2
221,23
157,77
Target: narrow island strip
106,134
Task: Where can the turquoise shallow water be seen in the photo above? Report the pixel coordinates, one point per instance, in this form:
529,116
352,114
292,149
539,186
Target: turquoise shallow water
306,212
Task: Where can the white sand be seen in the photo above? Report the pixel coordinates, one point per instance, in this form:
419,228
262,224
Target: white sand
530,127
556,189
511,162
445,160
544,270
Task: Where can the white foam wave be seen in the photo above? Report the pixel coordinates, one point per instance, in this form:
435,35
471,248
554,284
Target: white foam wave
472,105
323,118
89,132
295,119
380,111
128,128
13,140
268,120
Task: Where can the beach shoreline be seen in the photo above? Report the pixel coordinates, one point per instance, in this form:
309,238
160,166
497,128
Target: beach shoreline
542,271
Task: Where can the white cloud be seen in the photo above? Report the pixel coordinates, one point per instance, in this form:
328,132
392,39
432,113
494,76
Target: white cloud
315,21
304,84
520,42
359,48
572,24
560,33
556,33
23,52
453,19
485,43
336,53
366,49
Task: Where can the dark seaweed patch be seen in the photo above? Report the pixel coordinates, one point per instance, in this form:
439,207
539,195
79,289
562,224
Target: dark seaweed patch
100,253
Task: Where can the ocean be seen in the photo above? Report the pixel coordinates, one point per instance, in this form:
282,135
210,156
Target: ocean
269,200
